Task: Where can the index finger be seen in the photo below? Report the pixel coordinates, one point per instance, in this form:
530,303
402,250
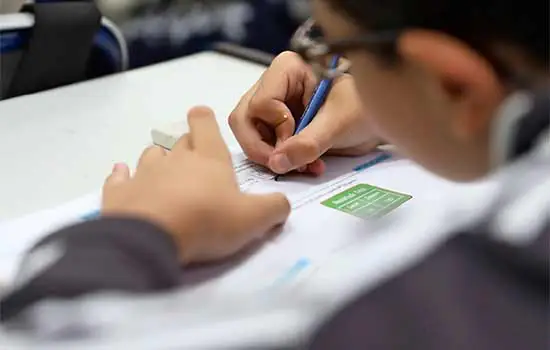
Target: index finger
183,144
249,137
286,84
205,134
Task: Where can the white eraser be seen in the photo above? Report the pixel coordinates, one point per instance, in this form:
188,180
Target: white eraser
167,135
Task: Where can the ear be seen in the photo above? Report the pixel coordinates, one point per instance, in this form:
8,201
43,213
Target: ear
466,77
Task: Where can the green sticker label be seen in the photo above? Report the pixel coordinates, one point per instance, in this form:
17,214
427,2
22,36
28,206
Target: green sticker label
366,201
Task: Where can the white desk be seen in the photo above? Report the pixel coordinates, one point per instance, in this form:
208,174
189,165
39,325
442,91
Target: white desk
60,144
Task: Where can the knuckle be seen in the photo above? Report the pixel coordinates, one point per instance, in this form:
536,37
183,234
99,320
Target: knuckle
150,149
310,147
288,57
255,156
232,120
285,202
110,184
256,105
149,152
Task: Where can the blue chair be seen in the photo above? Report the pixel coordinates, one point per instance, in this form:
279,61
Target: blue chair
54,43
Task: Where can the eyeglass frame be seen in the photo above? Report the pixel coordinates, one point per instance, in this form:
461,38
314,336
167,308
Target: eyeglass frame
382,42
315,52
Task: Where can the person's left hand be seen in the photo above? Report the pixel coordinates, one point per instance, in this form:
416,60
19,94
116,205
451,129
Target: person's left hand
192,193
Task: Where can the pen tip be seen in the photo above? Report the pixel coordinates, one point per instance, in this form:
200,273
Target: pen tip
276,178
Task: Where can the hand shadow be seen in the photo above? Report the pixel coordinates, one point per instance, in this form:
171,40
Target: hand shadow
337,166
196,274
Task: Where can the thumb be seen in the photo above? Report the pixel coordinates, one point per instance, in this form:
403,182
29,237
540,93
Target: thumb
263,212
296,152
310,144
120,174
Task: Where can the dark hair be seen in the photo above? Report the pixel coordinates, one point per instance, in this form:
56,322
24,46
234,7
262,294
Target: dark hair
479,23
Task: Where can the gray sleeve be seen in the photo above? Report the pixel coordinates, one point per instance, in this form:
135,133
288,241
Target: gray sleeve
108,254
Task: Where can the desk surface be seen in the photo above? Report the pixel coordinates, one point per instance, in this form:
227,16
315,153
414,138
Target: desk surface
58,145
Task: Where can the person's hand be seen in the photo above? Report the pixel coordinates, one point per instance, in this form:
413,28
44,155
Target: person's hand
265,118
193,194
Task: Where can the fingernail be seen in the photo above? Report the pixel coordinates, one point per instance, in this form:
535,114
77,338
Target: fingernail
118,166
280,163
302,169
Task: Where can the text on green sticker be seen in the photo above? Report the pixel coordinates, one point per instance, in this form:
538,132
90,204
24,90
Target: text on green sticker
366,201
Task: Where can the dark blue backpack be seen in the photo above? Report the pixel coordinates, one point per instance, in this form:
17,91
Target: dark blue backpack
54,43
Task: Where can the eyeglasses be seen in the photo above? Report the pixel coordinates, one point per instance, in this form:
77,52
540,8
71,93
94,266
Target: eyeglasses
309,43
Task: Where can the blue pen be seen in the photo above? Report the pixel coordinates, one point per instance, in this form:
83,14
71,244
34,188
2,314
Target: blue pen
319,96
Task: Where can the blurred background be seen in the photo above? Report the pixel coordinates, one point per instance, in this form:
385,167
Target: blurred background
158,30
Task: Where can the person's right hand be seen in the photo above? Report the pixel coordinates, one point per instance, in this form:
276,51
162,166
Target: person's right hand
265,118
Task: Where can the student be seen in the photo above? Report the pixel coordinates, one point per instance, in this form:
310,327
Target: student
460,87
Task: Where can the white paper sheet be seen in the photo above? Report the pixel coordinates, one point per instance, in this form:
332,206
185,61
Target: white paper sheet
18,235
314,233
311,236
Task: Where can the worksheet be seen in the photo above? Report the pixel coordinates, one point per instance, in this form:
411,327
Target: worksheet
341,173
329,213
363,221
